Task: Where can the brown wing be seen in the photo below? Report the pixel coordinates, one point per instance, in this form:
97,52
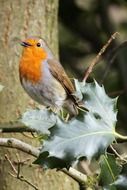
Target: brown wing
58,72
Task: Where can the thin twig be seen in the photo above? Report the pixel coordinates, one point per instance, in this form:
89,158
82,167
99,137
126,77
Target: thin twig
97,58
80,177
18,157
12,166
16,130
117,154
29,183
111,57
84,166
15,127
12,175
17,172
28,135
24,147
22,162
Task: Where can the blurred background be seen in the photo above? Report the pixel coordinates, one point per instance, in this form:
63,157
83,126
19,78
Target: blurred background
84,27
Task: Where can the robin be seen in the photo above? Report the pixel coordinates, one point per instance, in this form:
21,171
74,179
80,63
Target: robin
44,78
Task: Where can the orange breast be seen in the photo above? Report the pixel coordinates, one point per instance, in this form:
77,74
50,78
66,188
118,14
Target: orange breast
30,66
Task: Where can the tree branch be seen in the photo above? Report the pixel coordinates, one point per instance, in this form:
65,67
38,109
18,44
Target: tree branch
111,57
15,127
17,173
17,130
24,147
78,176
97,58
34,151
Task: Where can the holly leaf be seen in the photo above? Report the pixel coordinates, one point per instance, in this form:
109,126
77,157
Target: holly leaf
121,182
110,188
78,92
40,120
87,136
109,170
99,103
117,176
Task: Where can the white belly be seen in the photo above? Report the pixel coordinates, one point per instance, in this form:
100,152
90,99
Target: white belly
48,93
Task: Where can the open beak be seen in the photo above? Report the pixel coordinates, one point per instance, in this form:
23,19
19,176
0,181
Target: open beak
25,44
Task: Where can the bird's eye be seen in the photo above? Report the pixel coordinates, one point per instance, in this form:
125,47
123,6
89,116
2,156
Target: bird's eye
38,45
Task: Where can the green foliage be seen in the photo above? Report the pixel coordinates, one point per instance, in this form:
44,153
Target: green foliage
109,170
121,182
41,120
78,138
88,135
113,176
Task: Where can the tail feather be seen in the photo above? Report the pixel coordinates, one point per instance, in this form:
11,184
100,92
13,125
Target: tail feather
73,106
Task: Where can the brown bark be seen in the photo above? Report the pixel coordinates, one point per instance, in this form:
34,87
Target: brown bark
21,18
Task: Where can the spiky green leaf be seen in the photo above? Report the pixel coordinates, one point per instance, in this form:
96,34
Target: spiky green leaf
121,182
109,169
88,135
40,120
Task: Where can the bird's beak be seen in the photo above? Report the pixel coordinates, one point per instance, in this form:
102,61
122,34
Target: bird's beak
25,44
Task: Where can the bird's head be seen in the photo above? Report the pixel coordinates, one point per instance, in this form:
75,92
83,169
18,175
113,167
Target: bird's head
36,47
35,53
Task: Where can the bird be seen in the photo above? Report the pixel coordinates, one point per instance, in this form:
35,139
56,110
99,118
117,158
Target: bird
44,78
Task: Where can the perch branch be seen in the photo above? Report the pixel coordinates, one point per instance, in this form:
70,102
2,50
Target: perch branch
15,143
78,176
24,147
97,58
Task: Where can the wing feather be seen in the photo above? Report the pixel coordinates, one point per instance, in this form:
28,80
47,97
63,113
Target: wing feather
58,72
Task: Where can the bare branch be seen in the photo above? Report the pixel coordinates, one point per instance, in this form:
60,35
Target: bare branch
97,58
111,57
17,173
12,166
29,183
15,129
24,147
118,155
15,143
80,177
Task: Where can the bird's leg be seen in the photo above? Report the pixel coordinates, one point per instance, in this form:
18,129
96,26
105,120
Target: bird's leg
48,108
56,110
52,109
63,116
67,117
60,112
